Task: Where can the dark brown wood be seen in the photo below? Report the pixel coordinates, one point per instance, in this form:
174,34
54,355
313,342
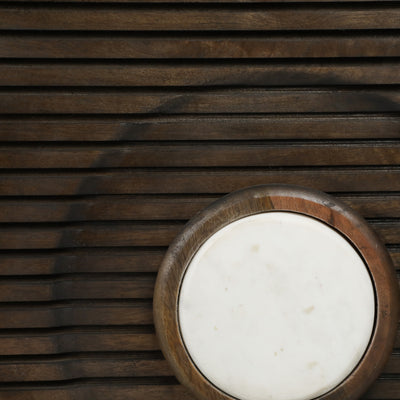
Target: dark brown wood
90,235
84,260
155,207
214,74
58,46
194,181
83,366
270,94
384,389
265,199
118,389
222,101
80,312
200,155
77,287
78,339
233,127
162,18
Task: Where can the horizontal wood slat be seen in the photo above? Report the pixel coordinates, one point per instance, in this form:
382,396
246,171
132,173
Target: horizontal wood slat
160,18
85,312
116,390
243,127
122,234
86,366
299,45
384,389
196,75
97,366
80,339
209,101
200,181
200,155
97,235
104,208
76,287
82,261
95,260
381,390
120,120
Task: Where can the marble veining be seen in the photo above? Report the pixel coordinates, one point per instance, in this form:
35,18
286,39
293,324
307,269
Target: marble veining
276,306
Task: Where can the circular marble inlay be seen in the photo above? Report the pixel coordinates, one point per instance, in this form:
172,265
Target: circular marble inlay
276,306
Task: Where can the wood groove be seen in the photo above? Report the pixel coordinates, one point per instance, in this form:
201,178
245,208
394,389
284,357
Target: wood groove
76,288
203,128
86,312
82,260
146,182
100,74
387,45
120,120
67,340
199,155
160,18
206,101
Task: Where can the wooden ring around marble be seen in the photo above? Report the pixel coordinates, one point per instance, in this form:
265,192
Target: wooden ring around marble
272,198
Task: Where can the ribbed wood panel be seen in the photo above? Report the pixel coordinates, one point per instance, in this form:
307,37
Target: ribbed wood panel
122,119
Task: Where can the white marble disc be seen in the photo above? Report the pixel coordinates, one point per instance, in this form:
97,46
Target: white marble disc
276,306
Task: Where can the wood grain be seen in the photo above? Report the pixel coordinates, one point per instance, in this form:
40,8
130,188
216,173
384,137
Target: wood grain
83,366
118,389
200,155
92,235
155,207
76,312
70,287
77,339
81,260
193,128
121,120
161,18
200,101
211,74
105,46
194,181
120,234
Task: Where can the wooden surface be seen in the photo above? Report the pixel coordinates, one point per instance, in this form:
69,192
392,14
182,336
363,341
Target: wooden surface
266,198
120,120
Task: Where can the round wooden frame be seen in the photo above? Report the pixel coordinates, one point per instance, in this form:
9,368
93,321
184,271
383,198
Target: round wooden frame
268,198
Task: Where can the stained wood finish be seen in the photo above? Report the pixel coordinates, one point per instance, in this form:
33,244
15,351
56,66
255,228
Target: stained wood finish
78,101
268,46
217,74
195,128
120,120
269,198
195,18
